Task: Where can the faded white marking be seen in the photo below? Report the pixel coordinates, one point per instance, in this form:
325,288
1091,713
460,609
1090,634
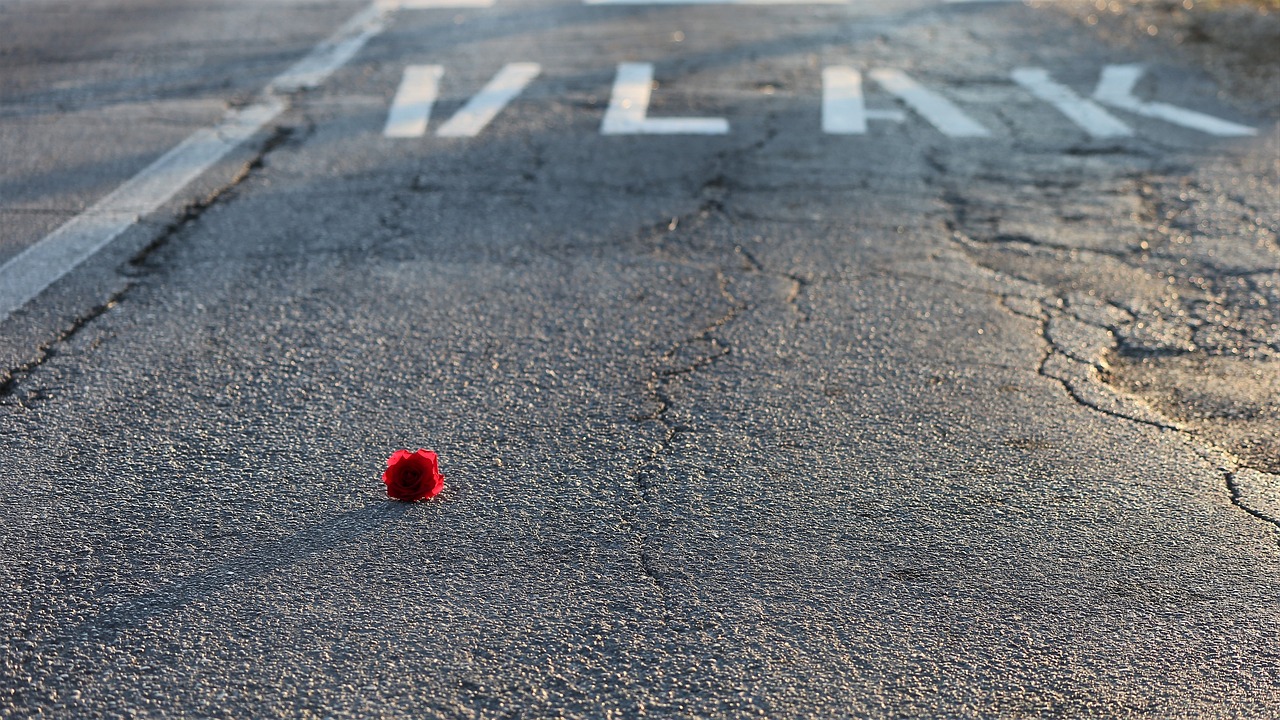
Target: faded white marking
411,109
1089,115
485,106
439,4
716,2
1115,88
331,53
844,111
42,264
629,107
937,110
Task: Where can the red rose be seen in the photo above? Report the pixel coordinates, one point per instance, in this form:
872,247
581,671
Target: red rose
413,476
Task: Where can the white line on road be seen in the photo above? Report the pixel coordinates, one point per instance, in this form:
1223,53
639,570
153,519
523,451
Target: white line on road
411,108
843,110
39,266
716,2
436,4
1089,115
485,106
939,111
1115,88
629,106
331,53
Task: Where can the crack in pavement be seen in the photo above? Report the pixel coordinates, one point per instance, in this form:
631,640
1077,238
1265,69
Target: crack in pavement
138,265
1083,327
193,211
702,348
1085,383
1237,496
46,352
659,394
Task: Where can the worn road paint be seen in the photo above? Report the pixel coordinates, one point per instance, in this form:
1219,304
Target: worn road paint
715,2
39,266
411,108
485,106
438,4
332,53
1089,115
937,110
1115,88
629,107
843,110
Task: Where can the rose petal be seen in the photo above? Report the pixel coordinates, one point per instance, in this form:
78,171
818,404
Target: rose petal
413,476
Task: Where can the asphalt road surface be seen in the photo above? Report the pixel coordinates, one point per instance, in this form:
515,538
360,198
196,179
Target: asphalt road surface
870,359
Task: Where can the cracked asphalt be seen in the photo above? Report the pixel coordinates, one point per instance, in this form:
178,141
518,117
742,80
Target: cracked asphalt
774,423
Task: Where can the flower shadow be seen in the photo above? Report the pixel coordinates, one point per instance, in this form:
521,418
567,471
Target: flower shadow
260,562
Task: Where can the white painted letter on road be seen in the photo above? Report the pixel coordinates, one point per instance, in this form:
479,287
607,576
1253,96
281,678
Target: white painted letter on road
939,111
843,110
411,108
1115,88
485,106
629,108
1089,115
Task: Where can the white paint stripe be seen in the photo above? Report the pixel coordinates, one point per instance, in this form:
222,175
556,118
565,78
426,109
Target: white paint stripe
1115,85
629,105
331,53
629,101
1115,88
443,4
939,111
42,264
716,2
1089,115
411,108
485,106
1196,120
843,111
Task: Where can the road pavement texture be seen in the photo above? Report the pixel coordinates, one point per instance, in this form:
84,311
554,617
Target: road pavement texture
859,360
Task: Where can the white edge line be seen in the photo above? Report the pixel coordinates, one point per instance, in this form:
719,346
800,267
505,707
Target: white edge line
40,265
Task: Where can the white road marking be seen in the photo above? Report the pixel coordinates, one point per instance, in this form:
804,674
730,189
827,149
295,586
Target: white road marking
332,53
42,264
510,81
939,111
1089,115
411,108
438,4
1115,88
716,2
629,106
843,109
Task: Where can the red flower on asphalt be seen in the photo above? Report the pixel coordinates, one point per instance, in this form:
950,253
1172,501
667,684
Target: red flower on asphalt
413,476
